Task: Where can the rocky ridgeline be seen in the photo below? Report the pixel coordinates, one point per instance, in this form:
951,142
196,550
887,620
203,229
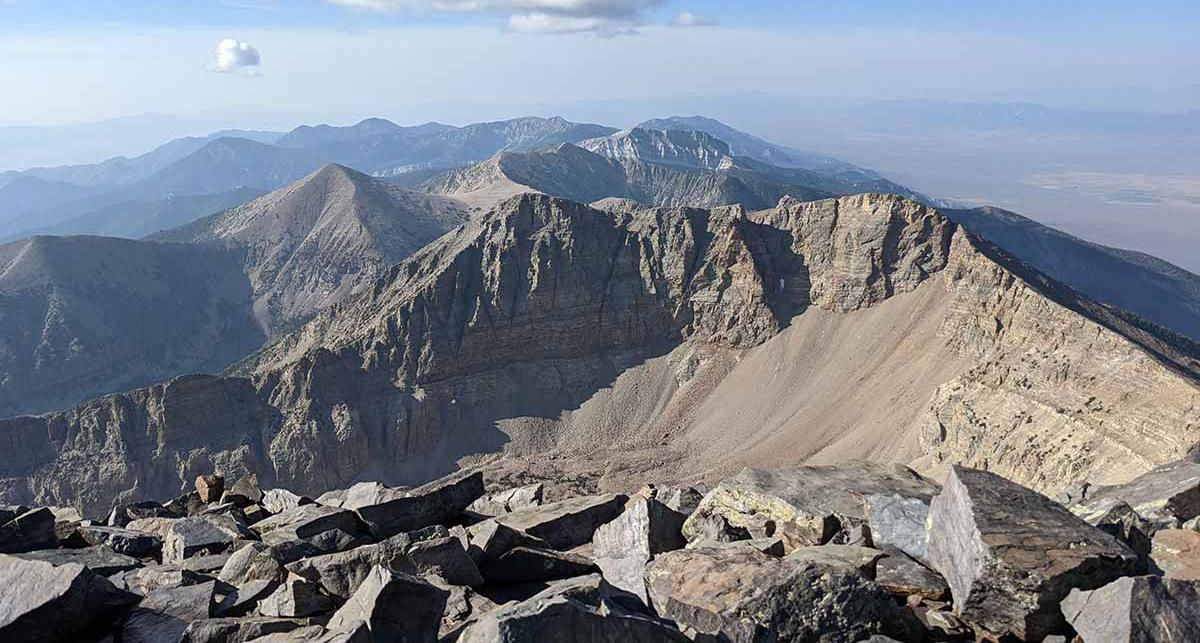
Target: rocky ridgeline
852,552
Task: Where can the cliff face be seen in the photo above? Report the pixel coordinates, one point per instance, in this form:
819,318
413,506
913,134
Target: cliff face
550,326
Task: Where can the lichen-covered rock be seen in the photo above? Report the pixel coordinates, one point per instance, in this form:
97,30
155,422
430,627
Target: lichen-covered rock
802,505
1010,554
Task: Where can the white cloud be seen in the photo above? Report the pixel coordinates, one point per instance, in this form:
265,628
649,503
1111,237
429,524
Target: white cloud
233,55
602,17
689,19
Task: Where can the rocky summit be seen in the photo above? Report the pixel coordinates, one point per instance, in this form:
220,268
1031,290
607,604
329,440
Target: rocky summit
785,554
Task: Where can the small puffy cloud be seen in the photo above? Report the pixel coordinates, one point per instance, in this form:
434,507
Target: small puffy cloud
232,55
689,19
601,17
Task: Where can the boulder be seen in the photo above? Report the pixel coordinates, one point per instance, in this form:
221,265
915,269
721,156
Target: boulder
395,606
623,547
334,498
567,523
281,500
166,613
1010,554
365,494
254,561
532,565
238,630
66,522
245,492
243,599
859,559
123,541
491,539
121,515
324,529
898,521
339,574
444,558
684,500
296,597
769,546
803,506
155,525
743,596
144,580
1166,496
8,512
210,488
437,503
509,500
28,531
210,564
1138,608
903,576
1176,553
189,504
52,604
198,535
99,559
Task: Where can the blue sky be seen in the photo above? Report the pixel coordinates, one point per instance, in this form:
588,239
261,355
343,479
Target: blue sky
269,62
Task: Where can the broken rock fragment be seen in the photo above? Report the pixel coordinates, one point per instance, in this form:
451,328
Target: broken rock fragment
1137,608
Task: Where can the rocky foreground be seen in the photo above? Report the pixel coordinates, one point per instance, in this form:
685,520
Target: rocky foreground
851,552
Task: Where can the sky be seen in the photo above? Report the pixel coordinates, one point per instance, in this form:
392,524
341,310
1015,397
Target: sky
273,63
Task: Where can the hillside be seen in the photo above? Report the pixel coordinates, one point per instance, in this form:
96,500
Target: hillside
670,343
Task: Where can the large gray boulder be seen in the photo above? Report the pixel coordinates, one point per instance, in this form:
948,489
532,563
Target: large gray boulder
323,529
1010,554
122,541
581,612
145,580
532,565
623,547
437,503
396,607
51,604
1166,496
903,576
166,613
29,531
509,500
254,561
490,540
295,598
99,559
122,514
807,505
199,535
744,596
340,574
1135,609
898,521
281,500
238,630
567,523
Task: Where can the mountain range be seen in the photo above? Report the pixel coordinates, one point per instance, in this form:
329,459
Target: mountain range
677,296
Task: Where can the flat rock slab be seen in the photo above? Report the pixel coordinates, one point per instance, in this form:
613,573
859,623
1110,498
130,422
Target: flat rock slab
1176,553
29,531
804,506
444,558
1167,495
123,541
528,565
145,580
238,630
254,561
296,598
199,535
1140,608
99,559
557,618
509,500
852,557
52,604
1010,554
490,539
437,503
166,613
903,576
745,596
395,607
567,523
281,500
623,547
340,574
122,515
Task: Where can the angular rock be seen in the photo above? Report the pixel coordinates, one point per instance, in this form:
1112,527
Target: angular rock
898,521
99,559
244,492
155,526
51,604
324,529
333,498
66,522
567,523
244,598
121,515
123,541
623,547
440,502
744,596
199,535
509,500
145,580
685,500
903,576
210,488
8,512
859,559
395,606
769,546
491,539
1122,522
166,613
1010,554
464,606
31,530
296,597
530,565
804,506
365,494
1139,608
254,561
445,558
1176,553
1166,496
210,564
281,500
238,630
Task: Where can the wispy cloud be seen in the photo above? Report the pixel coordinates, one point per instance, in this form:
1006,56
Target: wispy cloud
689,19
232,55
601,17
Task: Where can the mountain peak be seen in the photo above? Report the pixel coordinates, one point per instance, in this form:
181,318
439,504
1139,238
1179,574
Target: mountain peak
688,148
